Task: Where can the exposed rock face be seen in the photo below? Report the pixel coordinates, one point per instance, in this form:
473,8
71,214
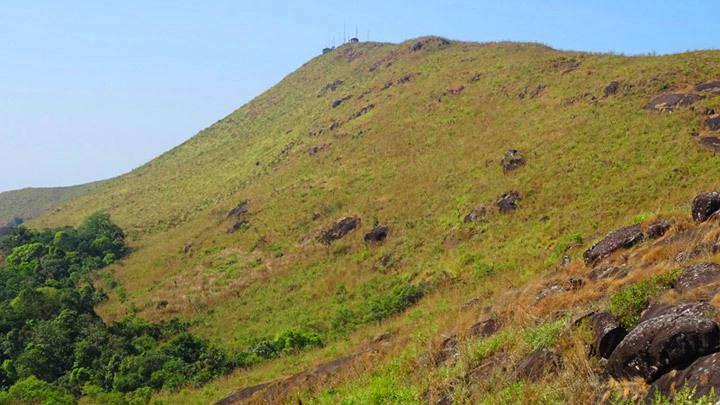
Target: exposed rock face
658,228
696,276
703,375
238,215
672,101
663,343
622,238
611,88
361,111
712,87
339,101
602,272
696,309
607,334
377,234
711,142
339,229
508,202
315,149
538,364
448,350
512,160
704,205
428,43
484,328
713,123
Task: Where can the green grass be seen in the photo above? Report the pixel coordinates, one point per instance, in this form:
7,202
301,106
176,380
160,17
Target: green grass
31,202
418,162
628,302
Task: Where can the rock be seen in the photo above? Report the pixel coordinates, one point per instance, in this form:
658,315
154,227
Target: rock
448,350
712,87
551,289
315,149
339,101
696,276
331,87
711,142
484,328
611,88
240,210
703,375
696,309
672,101
622,238
508,202
455,91
377,234
607,334
704,205
475,214
339,229
429,42
512,160
531,92
470,303
663,343
361,111
538,364
602,272
496,363
713,123
658,228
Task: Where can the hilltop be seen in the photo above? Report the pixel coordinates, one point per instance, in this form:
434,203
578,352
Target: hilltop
385,196
30,202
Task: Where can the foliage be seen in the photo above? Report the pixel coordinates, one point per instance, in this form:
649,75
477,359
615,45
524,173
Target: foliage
545,335
628,302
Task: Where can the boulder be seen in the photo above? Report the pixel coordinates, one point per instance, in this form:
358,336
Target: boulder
696,276
712,87
484,328
339,229
508,202
607,334
672,101
240,210
611,88
662,343
622,238
713,123
696,309
538,364
658,228
475,214
704,205
377,234
339,101
703,376
512,160
602,272
361,111
711,142
448,350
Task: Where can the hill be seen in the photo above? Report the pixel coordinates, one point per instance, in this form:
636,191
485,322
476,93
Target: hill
30,202
362,199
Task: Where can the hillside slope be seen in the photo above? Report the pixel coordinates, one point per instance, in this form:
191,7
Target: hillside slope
407,136
30,202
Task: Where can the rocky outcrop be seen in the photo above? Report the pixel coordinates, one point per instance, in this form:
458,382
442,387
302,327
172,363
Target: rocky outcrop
607,334
696,276
661,344
710,142
622,238
704,205
658,228
538,364
712,87
672,101
512,160
703,376
611,88
484,328
238,216
508,202
713,123
339,229
696,309
476,214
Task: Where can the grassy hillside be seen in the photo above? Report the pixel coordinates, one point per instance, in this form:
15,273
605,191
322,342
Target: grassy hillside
30,202
414,143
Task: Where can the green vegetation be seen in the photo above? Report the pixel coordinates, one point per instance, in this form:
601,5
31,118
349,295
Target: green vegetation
31,202
628,303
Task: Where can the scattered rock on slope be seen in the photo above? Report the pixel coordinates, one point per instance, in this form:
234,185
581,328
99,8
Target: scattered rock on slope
538,365
713,123
512,160
508,202
611,88
315,149
697,309
607,334
711,142
658,228
339,101
622,238
704,205
712,87
339,229
377,234
238,216
672,101
663,343
696,276
703,375
475,214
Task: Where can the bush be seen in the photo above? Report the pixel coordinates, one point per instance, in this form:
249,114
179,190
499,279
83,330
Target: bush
545,335
627,303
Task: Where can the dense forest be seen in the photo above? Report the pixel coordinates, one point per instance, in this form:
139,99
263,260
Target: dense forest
55,348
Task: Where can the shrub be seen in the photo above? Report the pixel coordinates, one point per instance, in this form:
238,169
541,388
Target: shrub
628,302
545,335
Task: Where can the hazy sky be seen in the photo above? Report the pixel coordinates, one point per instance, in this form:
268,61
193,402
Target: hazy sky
92,89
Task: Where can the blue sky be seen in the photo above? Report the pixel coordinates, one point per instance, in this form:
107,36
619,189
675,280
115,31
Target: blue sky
92,89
